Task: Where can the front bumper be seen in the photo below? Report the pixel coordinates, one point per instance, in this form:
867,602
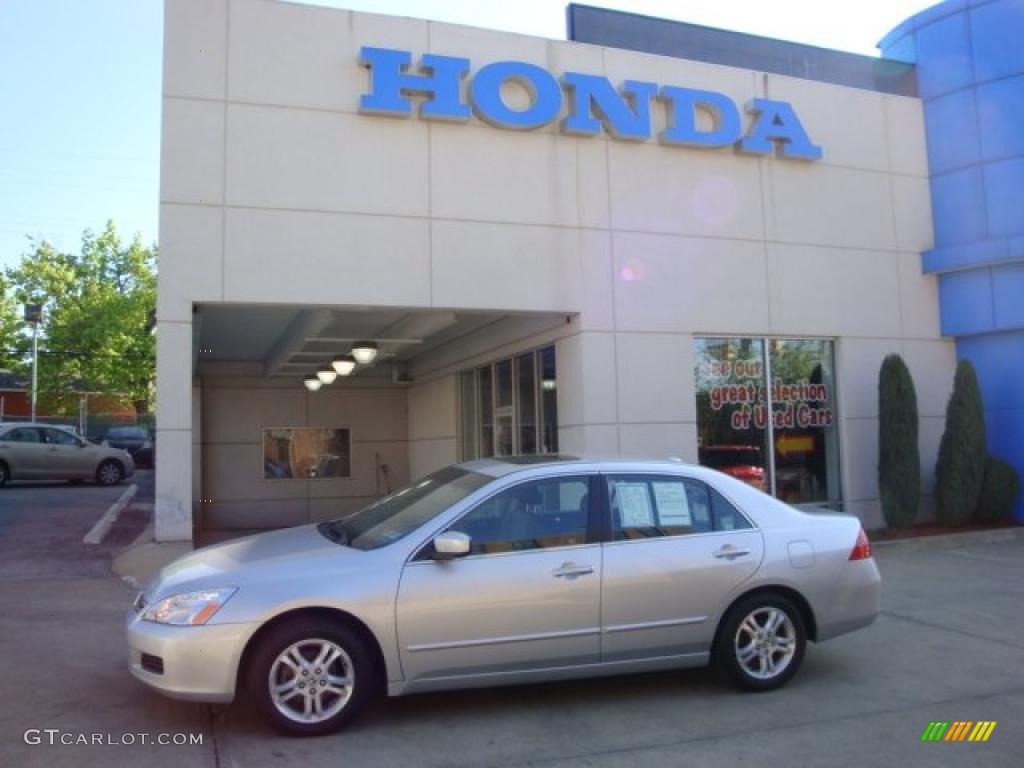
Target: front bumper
199,663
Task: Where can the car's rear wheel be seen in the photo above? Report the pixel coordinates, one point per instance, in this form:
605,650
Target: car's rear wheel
761,642
310,677
110,472
5,474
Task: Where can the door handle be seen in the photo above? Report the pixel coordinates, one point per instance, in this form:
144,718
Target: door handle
729,552
571,571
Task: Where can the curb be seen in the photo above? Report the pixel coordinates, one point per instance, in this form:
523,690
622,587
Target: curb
950,540
99,531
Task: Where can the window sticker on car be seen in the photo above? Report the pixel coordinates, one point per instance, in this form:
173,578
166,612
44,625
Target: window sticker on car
634,505
673,508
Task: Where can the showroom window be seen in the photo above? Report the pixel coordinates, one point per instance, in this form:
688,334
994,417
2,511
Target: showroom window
509,407
766,415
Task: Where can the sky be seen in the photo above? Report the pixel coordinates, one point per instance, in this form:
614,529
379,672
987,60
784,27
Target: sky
80,89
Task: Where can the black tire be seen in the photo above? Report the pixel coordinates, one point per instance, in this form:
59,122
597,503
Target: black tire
763,644
110,472
5,473
264,661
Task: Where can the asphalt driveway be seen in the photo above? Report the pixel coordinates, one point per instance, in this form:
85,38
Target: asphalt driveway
42,525
949,646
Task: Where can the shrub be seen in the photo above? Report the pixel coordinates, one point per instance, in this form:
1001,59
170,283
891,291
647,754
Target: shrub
999,490
961,466
899,463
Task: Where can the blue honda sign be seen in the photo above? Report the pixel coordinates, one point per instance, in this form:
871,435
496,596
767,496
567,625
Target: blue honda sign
595,104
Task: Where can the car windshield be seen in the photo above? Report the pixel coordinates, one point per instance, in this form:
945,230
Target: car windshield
394,516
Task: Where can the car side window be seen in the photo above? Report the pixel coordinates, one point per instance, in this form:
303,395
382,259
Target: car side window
727,517
652,506
23,435
538,514
60,437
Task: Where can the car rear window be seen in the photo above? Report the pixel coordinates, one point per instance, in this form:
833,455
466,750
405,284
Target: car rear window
126,432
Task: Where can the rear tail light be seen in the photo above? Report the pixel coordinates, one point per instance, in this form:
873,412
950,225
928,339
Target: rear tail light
862,549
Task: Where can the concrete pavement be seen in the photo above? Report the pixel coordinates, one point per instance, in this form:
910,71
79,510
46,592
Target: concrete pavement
949,646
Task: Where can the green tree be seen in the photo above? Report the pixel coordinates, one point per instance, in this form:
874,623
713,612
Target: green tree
899,463
12,342
960,470
98,307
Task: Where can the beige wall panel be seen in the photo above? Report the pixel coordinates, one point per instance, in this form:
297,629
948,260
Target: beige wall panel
682,284
655,378
316,258
192,152
325,161
195,56
834,292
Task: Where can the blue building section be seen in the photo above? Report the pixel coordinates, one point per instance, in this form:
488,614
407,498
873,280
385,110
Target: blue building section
970,74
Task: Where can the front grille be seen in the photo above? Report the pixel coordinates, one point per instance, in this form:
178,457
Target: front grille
140,603
152,664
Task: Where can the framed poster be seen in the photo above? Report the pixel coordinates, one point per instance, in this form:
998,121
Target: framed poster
306,453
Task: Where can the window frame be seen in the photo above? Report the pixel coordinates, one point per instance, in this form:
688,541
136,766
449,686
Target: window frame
8,439
473,435
72,438
648,476
596,518
766,340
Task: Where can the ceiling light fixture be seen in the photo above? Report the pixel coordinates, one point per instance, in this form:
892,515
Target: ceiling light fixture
365,352
344,364
312,383
326,374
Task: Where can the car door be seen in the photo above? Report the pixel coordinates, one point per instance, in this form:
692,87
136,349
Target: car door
23,450
678,548
66,458
526,597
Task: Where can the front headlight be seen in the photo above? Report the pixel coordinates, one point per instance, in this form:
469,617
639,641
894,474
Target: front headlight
190,608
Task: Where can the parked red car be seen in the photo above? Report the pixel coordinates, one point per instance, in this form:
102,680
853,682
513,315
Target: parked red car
743,462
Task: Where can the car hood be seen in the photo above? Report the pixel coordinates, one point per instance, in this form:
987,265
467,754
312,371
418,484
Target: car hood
224,565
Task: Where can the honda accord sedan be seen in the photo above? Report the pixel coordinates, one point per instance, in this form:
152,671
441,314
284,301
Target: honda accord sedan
497,572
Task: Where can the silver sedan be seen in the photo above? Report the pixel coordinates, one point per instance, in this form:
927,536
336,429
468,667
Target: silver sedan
30,451
510,571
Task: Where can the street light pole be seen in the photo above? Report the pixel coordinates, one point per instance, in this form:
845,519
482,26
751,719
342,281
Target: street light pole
33,314
35,366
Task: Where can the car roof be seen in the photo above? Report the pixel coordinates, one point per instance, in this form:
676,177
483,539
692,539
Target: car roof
507,465
12,424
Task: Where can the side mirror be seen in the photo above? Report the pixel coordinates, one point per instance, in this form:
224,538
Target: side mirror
451,544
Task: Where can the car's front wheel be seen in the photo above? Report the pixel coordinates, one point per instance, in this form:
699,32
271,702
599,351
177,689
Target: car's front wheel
311,677
761,642
5,474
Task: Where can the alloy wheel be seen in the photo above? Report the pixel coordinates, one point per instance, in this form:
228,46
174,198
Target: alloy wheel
311,681
765,642
110,474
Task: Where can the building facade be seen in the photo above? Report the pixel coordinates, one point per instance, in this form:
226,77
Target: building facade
570,246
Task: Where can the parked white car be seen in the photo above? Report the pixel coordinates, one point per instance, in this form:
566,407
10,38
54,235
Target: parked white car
30,451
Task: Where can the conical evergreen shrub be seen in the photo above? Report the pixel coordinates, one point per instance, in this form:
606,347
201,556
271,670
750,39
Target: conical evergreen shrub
899,462
999,491
960,470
